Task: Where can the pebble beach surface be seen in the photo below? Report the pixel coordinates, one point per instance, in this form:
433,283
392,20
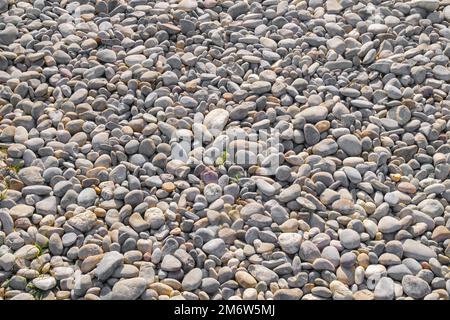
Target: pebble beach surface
321,168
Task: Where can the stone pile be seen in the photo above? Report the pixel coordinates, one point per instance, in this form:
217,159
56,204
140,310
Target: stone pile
341,192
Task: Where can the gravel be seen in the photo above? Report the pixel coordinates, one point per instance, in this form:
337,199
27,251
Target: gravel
224,150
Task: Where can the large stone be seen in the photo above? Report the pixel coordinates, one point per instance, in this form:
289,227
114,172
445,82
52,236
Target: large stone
31,176
290,242
128,289
83,221
314,114
109,263
170,263
429,5
21,211
349,238
416,250
350,144
431,207
216,120
389,224
415,287
215,247
192,280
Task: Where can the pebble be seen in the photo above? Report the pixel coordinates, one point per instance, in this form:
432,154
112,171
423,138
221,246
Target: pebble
384,290
128,289
110,261
290,242
44,283
350,145
237,150
416,250
245,279
350,239
215,247
170,263
192,280
415,287
389,224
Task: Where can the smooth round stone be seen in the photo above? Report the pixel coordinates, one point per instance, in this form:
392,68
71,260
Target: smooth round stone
344,206
290,242
416,250
288,294
44,283
350,144
429,5
128,289
262,273
192,280
397,272
314,114
69,238
265,187
349,238
406,187
260,87
245,279
312,135
325,147
187,5
215,247
205,150
170,263
389,224
21,211
440,233
331,254
87,197
212,192
384,290
309,251
216,120
401,114
431,207
415,287
446,12
134,59
106,55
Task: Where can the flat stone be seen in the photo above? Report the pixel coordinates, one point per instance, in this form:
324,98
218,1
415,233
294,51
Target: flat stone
314,114
83,221
290,242
31,176
262,273
389,224
431,207
384,290
215,247
110,261
415,287
44,283
325,147
350,239
216,120
170,263
21,211
192,280
429,5
129,289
